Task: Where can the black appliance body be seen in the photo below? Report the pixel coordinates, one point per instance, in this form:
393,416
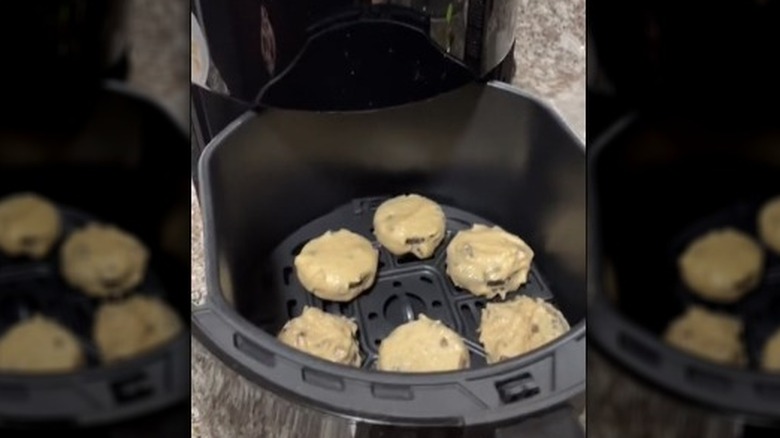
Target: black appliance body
58,52
684,133
343,55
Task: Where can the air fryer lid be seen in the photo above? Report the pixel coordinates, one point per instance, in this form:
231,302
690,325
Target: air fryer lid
310,165
704,176
338,54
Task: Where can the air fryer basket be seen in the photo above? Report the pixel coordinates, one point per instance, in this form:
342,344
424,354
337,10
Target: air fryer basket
126,150
689,175
29,287
488,154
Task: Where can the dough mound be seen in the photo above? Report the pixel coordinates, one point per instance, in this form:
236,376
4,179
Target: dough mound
134,326
708,335
29,225
769,224
40,345
488,261
337,266
770,358
422,346
410,224
722,265
329,337
513,328
103,261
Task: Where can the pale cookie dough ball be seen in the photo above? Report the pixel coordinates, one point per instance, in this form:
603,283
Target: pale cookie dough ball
40,345
103,261
723,265
709,335
29,225
329,337
770,358
410,224
421,346
337,266
769,224
134,326
513,328
488,261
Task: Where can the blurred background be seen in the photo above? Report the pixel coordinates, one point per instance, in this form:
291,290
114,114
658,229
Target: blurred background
682,140
96,124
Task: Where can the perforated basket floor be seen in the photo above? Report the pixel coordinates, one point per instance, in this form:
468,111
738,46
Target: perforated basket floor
404,288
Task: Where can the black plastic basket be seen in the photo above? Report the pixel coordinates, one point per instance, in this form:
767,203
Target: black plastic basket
488,154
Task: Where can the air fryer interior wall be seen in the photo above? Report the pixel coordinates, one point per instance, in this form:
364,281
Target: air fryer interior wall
488,150
672,173
124,168
473,152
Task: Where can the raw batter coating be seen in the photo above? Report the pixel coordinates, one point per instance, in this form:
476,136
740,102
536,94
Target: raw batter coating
329,337
40,345
722,265
769,224
410,224
422,346
29,225
488,261
133,326
103,261
515,327
709,335
337,266
770,358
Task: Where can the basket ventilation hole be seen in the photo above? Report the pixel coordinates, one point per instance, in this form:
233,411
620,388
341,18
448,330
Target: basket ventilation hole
468,315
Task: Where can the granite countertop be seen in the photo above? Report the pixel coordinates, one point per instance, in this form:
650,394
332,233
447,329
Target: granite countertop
550,57
160,53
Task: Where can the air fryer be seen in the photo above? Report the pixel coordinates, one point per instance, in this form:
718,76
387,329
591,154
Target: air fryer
101,152
58,51
684,144
275,178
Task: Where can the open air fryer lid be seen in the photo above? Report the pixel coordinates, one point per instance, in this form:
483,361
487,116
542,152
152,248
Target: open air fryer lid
350,54
713,59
